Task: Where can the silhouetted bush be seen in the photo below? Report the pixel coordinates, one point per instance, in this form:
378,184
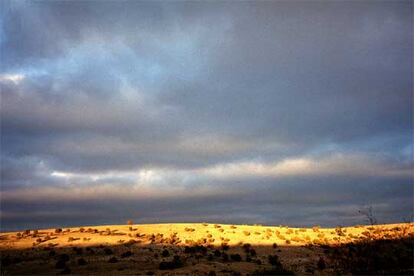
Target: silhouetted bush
126,254
82,261
273,259
78,250
63,257
165,253
225,246
217,253
175,263
272,271
277,268
195,249
113,260
321,263
246,247
90,250
235,257
375,257
60,264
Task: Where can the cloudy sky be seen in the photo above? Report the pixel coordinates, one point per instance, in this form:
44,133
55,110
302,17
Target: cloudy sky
272,112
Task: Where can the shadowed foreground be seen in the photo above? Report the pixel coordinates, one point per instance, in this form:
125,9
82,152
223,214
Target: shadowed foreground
209,249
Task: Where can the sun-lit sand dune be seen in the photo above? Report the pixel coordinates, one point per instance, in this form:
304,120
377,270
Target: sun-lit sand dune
200,248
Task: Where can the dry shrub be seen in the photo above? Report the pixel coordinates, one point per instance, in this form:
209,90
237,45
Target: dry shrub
339,231
316,228
318,241
281,237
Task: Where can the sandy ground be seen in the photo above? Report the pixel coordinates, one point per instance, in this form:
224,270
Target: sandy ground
200,247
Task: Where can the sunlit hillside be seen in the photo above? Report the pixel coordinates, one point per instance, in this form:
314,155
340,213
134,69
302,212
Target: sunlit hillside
208,249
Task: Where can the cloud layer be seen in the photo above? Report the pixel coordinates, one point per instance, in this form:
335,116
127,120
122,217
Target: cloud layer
249,112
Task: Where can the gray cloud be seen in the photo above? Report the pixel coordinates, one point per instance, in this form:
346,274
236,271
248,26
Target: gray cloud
177,88
295,201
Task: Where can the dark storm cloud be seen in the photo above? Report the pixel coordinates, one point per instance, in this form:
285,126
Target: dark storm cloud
321,75
320,201
176,95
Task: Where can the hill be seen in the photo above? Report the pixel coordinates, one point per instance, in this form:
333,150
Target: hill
208,249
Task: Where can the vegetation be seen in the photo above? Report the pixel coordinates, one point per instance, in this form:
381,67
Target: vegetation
375,257
368,213
362,250
175,263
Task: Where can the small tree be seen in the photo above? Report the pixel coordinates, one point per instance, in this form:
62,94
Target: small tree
369,215
130,222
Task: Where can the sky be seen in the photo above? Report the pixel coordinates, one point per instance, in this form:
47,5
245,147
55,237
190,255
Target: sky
251,112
